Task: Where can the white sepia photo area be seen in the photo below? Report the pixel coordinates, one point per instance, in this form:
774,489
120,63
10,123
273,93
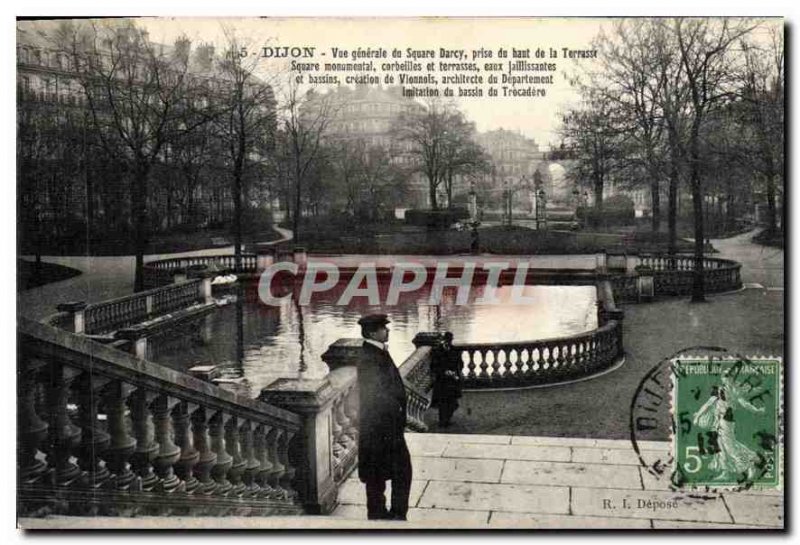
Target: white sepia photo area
392,273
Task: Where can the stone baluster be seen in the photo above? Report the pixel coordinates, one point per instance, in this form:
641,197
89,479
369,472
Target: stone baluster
122,444
287,479
561,358
551,360
224,461
64,435
32,430
336,433
251,463
580,354
208,458
262,454
184,438
168,452
239,463
508,364
484,366
471,364
496,363
94,439
144,432
540,361
347,437
530,370
278,469
351,410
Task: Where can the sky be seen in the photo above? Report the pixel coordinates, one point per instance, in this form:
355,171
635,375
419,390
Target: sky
535,117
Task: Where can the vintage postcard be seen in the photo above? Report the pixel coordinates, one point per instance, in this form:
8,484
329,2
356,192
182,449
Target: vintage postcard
400,273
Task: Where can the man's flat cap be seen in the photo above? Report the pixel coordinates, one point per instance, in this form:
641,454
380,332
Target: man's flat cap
374,320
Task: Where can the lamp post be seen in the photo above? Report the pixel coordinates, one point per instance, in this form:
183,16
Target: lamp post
474,220
541,213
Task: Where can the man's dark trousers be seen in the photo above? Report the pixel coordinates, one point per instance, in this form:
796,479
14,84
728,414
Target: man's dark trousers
401,488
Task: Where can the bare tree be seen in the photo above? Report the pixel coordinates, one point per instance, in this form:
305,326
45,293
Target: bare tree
305,120
135,92
424,131
636,87
245,123
763,95
593,135
461,155
705,48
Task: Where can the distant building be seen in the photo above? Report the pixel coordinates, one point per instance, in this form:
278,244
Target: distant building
365,114
47,82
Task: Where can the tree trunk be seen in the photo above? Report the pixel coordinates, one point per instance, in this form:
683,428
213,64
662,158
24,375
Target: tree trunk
449,189
139,213
698,286
771,211
672,198
598,192
656,201
432,191
297,201
237,216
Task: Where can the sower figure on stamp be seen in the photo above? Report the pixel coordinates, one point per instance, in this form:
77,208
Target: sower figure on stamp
446,371
382,451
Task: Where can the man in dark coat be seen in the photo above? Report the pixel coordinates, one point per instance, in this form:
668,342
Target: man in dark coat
446,370
382,451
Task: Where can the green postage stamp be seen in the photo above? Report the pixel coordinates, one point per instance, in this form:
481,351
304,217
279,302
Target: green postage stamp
727,422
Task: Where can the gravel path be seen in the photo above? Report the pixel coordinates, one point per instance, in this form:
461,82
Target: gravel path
103,278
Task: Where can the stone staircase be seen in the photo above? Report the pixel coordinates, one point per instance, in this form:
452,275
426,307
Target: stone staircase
500,481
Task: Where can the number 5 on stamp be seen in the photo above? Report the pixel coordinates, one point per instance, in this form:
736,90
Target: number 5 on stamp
727,416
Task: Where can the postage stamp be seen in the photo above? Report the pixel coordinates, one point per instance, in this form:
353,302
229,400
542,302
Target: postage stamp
727,416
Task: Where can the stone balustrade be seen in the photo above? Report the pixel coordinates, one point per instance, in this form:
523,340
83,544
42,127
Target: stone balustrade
665,275
547,361
115,314
163,271
502,365
100,432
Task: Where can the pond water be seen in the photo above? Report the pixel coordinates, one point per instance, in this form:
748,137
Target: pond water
262,343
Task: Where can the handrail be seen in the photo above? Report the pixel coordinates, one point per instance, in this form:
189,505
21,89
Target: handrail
121,312
516,364
169,442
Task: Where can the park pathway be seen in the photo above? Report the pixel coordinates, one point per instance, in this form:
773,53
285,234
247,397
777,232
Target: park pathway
762,265
102,278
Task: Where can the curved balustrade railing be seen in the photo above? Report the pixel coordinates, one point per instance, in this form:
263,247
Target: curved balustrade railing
100,432
136,308
162,271
674,276
540,362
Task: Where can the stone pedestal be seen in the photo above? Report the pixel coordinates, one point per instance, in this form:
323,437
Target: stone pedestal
342,353
631,262
601,265
76,308
645,286
300,257
138,341
313,401
265,257
616,262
